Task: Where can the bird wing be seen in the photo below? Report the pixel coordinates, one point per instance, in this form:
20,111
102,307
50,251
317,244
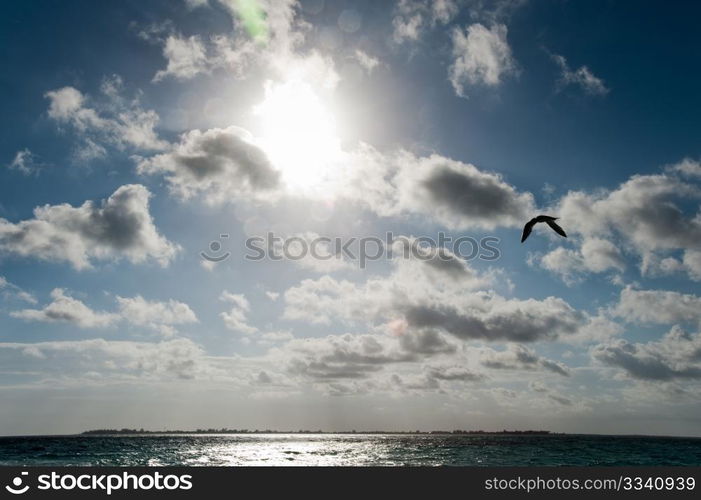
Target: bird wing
527,230
556,228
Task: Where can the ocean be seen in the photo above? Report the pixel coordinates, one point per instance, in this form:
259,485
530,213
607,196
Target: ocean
348,450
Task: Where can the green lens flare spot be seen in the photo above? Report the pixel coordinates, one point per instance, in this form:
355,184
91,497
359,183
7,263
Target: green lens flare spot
253,18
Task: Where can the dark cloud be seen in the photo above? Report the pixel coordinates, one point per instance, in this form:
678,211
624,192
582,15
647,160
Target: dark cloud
471,193
519,321
518,357
454,373
673,357
426,342
220,164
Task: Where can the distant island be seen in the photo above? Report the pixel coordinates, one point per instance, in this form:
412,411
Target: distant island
103,432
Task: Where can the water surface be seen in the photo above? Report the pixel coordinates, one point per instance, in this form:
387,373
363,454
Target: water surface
349,449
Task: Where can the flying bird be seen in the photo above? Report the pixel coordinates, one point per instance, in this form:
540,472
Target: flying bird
550,221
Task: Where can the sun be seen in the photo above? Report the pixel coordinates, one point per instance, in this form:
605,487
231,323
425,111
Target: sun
298,133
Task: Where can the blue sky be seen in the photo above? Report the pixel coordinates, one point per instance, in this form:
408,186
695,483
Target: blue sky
138,134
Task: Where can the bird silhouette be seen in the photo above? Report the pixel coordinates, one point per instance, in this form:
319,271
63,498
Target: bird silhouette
550,221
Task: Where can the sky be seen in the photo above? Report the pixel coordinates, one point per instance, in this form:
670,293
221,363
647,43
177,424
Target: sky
150,150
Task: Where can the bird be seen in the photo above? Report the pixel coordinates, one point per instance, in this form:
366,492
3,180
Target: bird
550,221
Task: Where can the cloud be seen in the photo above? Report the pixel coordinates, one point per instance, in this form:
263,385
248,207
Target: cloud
596,255
558,398
420,296
493,318
349,364
218,164
112,360
12,291
599,327
119,227
425,342
455,194
159,316
66,309
411,17
481,56
645,216
460,193
675,356
267,33
581,77
186,58
342,356
518,357
454,372
193,4
26,162
539,387
320,301
235,318
113,121
368,62
230,165
658,307
687,167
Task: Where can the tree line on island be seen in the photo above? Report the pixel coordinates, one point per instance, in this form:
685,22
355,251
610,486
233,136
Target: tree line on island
303,431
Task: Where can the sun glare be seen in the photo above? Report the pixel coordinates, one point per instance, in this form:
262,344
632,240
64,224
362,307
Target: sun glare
298,133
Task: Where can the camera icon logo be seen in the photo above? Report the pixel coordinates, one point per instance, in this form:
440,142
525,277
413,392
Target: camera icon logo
16,487
215,247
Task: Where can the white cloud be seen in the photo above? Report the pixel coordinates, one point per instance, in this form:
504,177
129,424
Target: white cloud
162,317
66,309
112,360
115,121
581,77
368,62
644,216
658,307
236,318
269,35
12,291
120,227
481,56
596,255
687,167
412,17
25,162
186,58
